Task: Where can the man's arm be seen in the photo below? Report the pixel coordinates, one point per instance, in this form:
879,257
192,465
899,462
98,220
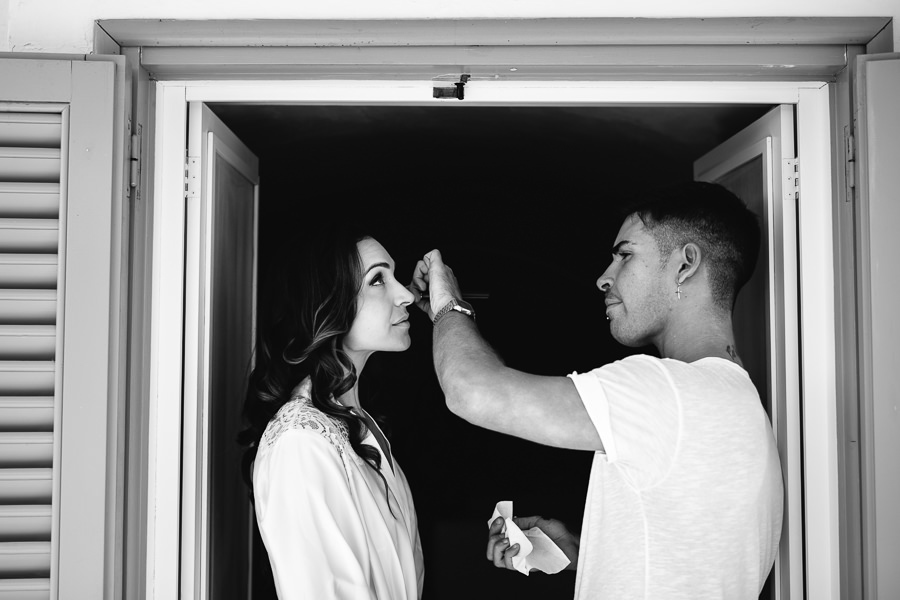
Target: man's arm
482,390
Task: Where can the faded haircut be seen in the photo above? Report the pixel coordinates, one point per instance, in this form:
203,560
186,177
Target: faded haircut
707,214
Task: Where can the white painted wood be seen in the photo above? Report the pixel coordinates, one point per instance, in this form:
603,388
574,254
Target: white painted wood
166,348
87,516
220,266
771,139
27,413
27,199
486,93
36,81
497,62
485,32
25,486
25,522
878,137
24,589
55,370
817,339
28,306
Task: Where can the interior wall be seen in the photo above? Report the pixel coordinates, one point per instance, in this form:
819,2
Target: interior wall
65,26
523,204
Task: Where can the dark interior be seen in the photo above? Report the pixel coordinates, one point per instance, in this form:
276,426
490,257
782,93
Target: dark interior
522,202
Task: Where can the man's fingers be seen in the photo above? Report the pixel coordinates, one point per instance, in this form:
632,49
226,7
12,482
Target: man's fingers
492,543
420,275
497,555
524,523
496,525
509,554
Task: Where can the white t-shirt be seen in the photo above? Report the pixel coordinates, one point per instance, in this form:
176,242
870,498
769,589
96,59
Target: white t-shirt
686,500
323,514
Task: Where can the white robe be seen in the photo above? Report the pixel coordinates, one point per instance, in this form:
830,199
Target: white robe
323,514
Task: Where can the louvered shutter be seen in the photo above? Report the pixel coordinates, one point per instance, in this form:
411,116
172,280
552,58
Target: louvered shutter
30,168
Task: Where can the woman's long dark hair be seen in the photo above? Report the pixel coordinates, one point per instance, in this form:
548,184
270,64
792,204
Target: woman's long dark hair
309,307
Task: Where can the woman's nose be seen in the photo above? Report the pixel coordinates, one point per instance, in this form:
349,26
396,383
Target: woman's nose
404,296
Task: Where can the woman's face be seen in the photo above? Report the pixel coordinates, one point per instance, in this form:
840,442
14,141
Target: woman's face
381,321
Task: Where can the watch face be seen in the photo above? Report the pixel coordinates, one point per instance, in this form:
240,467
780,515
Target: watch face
464,307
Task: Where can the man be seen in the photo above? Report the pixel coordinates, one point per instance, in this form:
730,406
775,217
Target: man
685,497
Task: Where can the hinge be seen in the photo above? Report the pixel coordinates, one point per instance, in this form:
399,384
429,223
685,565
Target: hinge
134,175
850,164
791,173
192,177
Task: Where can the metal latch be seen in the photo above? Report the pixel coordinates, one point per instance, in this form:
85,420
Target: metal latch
458,90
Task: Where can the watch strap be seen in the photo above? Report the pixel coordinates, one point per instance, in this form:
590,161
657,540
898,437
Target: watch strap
454,304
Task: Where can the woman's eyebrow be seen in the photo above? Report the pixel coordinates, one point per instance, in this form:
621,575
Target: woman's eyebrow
380,264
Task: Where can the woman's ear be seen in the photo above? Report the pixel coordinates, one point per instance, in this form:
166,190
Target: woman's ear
690,258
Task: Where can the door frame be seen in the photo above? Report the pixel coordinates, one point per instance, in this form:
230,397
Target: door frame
759,51
816,251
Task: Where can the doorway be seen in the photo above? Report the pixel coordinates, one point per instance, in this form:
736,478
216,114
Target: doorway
523,203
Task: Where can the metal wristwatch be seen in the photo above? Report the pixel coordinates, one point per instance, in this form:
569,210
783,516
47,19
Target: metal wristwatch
460,306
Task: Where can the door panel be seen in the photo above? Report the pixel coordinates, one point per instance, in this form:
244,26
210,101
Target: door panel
878,141
757,165
220,316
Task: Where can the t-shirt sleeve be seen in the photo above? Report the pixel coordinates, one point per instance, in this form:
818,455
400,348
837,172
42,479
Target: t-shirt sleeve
634,407
309,521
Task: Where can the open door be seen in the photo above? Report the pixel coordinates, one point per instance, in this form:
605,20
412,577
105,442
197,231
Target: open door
878,214
220,292
758,165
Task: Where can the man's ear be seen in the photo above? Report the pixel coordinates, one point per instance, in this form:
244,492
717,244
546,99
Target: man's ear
690,256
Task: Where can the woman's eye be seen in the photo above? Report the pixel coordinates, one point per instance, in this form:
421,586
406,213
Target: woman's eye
377,280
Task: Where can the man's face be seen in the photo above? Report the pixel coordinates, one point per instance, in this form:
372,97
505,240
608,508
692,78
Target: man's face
638,293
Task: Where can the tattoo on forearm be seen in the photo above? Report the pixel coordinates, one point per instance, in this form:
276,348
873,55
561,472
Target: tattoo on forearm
732,352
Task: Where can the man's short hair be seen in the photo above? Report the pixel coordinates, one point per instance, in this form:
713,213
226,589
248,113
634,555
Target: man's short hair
707,214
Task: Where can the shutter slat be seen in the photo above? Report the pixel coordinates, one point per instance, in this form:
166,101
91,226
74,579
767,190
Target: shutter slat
27,378
24,589
26,486
26,449
29,236
36,130
36,307
27,342
29,200
26,413
36,271
25,523
24,559
29,164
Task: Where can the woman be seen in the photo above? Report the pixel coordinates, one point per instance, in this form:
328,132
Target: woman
334,509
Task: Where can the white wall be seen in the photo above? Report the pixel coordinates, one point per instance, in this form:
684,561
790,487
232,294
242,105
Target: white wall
67,25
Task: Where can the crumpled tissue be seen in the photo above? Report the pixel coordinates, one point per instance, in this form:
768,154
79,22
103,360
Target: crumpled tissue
536,550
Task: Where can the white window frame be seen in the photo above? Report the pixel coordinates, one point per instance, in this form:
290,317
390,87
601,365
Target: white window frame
816,253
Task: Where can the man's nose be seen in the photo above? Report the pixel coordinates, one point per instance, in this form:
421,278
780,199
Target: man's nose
605,282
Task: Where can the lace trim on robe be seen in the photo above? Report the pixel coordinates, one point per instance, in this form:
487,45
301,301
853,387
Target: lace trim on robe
299,413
